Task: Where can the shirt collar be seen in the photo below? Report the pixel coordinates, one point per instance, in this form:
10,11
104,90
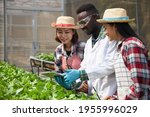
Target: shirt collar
100,36
119,44
73,49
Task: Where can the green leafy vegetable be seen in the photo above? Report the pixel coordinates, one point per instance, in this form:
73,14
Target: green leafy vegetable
50,74
44,56
18,84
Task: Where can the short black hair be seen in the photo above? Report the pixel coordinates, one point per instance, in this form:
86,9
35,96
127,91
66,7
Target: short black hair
87,7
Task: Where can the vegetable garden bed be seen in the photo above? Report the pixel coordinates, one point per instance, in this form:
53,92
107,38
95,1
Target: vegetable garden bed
18,84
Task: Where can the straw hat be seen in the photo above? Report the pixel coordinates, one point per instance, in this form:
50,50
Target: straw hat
64,22
115,15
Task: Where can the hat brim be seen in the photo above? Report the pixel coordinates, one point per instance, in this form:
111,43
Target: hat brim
115,21
69,27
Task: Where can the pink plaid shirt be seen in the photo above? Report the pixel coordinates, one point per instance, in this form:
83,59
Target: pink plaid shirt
61,56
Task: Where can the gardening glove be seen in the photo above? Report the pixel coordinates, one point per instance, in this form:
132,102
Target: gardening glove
60,81
71,75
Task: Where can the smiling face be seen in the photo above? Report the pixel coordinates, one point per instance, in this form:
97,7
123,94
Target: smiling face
65,35
86,21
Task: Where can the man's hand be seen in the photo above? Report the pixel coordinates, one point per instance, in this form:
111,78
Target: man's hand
71,75
60,81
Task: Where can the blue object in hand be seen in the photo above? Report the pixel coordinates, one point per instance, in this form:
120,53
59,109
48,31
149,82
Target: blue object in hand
71,75
60,81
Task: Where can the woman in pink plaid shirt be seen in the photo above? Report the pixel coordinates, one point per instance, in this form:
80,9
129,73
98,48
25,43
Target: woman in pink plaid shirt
69,54
132,64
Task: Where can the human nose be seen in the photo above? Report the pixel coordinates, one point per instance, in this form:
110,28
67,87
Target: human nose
63,34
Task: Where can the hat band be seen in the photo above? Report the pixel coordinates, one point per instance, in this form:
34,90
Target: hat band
64,25
118,18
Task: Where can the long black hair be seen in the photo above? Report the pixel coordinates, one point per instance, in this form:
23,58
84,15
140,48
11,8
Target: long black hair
125,30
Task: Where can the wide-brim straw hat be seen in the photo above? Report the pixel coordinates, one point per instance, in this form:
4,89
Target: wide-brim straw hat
115,15
65,22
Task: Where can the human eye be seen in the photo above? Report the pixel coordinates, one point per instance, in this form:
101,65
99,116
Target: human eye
83,22
87,19
59,32
67,32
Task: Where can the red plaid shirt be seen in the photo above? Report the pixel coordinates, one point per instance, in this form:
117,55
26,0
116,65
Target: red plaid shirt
136,59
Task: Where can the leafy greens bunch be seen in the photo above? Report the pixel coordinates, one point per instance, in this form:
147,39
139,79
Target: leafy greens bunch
18,84
45,56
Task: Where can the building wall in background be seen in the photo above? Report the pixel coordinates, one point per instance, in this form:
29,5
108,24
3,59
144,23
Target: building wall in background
138,9
29,31
1,30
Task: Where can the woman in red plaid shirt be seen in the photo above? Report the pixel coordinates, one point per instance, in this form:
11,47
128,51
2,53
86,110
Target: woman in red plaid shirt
132,64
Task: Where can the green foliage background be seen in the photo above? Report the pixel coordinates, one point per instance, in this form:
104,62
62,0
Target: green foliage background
18,84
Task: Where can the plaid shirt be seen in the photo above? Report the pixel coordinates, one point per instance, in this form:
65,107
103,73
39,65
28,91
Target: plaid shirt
77,49
135,58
